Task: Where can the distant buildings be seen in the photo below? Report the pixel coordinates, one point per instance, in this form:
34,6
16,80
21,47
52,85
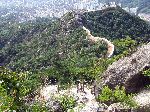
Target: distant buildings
31,9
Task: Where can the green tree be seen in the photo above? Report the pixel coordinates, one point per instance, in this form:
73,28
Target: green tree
14,87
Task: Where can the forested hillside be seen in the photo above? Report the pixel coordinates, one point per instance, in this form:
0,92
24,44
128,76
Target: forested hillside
58,48
117,24
45,38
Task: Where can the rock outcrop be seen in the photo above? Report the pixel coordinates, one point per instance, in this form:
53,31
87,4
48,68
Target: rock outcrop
143,101
127,71
85,100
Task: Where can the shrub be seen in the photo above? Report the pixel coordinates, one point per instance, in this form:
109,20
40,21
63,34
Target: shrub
35,107
106,95
67,102
146,72
6,101
14,87
109,96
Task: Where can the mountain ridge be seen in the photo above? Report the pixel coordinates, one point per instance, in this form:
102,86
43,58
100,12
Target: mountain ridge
56,51
47,31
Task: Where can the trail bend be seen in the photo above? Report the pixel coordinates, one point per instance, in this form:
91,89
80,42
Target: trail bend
110,46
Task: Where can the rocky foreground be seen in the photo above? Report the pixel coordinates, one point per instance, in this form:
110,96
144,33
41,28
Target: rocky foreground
86,101
125,72
143,100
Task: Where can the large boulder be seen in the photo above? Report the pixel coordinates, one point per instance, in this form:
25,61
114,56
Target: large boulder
127,71
143,100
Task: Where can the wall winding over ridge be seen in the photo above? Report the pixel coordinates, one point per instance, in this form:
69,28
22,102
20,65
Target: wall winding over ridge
93,39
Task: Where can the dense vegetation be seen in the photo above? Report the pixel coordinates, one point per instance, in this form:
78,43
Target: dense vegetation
118,95
117,24
58,49
48,47
34,45
14,87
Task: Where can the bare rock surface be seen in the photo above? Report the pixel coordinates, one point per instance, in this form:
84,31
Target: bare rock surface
127,71
143,100
86,101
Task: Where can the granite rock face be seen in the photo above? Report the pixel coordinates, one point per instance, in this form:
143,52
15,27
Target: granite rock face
143,100
54,106
127,72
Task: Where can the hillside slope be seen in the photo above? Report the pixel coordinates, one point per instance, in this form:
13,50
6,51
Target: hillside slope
40,44
115,23
46,51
